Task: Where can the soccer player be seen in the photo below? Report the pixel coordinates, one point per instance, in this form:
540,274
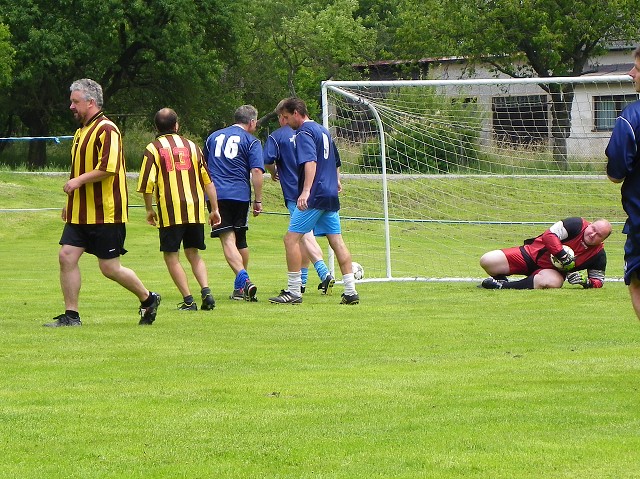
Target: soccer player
622,166
317,204
533,259
173,167
96,209
280,161
234,159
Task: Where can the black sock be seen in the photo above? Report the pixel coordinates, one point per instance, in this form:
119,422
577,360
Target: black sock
148,301
501,277
526,283
72,314
188,299
205,291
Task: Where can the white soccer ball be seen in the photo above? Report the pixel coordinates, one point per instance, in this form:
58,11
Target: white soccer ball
555,261
358,270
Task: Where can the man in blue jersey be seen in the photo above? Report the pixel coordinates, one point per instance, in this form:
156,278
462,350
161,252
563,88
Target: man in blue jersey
280,161
622,166
234,159
317,204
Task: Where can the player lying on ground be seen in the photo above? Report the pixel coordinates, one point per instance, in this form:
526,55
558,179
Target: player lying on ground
536,257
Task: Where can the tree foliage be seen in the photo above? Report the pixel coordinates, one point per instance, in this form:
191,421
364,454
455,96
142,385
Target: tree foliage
7,53
145,53
305,43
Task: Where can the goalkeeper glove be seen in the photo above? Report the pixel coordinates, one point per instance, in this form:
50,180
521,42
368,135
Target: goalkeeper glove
566,260
577,277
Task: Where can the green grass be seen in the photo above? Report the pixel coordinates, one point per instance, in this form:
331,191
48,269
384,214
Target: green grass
438,380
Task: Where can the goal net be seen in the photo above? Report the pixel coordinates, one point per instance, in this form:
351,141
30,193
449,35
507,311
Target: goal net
437,172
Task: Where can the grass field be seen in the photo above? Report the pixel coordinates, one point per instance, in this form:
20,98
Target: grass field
421,380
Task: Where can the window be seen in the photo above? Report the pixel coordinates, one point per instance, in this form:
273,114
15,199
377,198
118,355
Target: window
608,108
521,119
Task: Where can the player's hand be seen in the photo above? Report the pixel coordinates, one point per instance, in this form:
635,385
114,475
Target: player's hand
302,200
566,260
257,208
577,277
214,218
152,217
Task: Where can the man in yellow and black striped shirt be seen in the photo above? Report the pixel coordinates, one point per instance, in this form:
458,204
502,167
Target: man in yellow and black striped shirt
96,210
173,168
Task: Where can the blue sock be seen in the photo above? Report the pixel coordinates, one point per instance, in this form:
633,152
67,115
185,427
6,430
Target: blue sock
241,279
305,275
321,269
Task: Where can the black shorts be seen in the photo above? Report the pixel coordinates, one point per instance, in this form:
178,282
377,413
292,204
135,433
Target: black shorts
234,215
106,241
191,236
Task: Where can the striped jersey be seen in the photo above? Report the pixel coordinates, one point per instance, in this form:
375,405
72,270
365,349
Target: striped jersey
173,166
98,146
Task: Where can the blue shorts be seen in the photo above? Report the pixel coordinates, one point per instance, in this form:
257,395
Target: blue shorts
321,222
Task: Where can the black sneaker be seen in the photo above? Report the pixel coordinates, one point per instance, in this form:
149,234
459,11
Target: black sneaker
250,291
492,283
148,314
285,297
63,320
208,303
327,285
237,295
350,299
187,307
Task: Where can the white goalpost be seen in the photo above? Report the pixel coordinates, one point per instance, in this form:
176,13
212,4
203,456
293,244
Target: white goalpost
437,172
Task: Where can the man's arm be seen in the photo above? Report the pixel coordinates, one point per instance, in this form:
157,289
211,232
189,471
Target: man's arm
152,216
214,214
257,179
92,176
309,176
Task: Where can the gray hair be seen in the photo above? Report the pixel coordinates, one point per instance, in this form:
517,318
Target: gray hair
91,89
245,114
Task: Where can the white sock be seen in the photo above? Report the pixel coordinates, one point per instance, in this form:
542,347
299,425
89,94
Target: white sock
349,284
294,282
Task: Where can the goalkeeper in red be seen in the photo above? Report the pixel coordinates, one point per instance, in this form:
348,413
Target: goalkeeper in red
533,258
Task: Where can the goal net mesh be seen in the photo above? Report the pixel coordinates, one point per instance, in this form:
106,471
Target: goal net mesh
436,173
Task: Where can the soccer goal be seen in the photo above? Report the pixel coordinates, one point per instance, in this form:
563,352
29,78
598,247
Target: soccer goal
437,172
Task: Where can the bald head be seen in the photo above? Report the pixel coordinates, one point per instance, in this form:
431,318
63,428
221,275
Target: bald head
597,232
166,121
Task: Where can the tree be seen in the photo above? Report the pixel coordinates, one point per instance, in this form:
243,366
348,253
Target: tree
522,38
145,53
6,56
304,43
6,65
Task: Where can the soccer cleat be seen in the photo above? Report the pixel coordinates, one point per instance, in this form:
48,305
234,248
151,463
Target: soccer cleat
285,297
250,291
492,283
350,299
187,307
63,320
237,295
208,303
303,288
327,285
148,314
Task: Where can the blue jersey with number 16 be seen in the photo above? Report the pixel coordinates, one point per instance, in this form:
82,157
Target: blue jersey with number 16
231,154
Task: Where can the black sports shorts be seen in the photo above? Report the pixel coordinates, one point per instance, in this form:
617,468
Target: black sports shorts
234,215
190,235
106,241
